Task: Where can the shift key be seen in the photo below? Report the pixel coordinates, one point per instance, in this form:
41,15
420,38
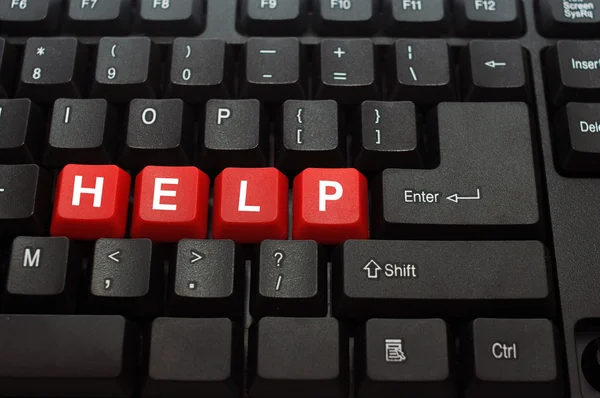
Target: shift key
460,279
485,186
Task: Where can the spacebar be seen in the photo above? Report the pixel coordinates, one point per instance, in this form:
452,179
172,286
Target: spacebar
440,279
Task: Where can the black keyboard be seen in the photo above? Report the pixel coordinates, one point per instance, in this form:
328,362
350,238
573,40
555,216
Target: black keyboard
300,198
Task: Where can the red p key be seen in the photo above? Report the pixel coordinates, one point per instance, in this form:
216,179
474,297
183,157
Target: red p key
250,205
91,202
171,203
330,206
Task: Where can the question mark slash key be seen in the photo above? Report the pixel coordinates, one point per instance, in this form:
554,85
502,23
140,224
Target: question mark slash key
289,279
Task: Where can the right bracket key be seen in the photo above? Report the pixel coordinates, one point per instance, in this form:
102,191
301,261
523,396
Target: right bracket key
484,188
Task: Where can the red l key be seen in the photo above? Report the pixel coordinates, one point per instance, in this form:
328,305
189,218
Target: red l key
330,206
250,205
171,203
91,202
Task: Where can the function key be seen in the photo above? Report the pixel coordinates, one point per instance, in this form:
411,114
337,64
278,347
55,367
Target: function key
499,18
577,131
569,18
420,71
274,17
171,17
126,68
408,355
511,358
29,17
274,70
200,70
97,18
424,18
52,68
574,71
346,17
346,71
494,71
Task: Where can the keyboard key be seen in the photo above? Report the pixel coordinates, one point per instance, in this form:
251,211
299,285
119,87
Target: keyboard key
250,205
194,357
469,196
319,347
274,17
489,18
29,17
39,279
126,68
428,278
577,141
310,136
7,68
24,196
52,68
408,355
421,71
511,357
171,203
573,71
330,206
58,356
171,17
98,18
558,18
91,202
200,70
82,131
289,279
346,71
389,137
345,17
126,277
159,132
234,134
494,71
416,17
274,70
20,124
207,279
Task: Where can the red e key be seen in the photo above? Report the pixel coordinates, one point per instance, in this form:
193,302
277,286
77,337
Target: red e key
331,206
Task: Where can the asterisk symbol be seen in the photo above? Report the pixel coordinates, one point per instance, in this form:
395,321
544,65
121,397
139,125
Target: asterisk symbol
41,51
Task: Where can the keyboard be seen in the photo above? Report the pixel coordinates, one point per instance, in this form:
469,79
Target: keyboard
300,198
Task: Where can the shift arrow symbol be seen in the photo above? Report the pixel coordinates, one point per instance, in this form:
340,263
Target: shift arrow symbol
494,64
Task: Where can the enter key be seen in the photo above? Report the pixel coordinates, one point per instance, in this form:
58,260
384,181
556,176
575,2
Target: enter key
485,186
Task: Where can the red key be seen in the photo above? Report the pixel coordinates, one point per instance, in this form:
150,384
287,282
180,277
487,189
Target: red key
170,204
250,205
91,202
330,206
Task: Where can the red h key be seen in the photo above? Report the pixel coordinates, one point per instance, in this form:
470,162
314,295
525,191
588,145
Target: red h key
171,203
91,202
330,206
250,205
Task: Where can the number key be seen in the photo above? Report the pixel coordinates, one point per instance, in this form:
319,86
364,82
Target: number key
126,68
201,69
52,68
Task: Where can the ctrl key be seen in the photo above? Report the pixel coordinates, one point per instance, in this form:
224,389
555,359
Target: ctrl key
67,356
511,358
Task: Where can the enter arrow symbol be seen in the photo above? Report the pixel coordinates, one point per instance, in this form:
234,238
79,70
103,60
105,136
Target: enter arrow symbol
113,256
196,257
494,64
